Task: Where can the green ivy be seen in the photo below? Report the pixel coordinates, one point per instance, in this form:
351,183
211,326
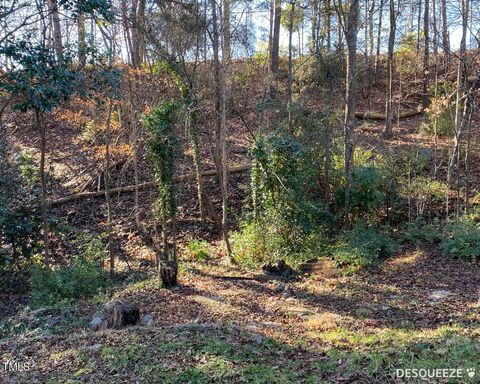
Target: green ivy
285,212
162,151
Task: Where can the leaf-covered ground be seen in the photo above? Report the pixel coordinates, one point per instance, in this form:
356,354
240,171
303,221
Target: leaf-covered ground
320,328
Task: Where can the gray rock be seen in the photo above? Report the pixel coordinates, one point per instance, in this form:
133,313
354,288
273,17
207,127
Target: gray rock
287,291
92,348
439,294
147,320
258,340
96,323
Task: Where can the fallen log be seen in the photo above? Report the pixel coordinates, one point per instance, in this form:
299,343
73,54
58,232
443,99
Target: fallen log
147,185
381,116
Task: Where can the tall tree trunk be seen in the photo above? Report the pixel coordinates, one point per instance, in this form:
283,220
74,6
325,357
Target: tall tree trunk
42,129
426,54
314,22
127,31
365,34
137,21
328,22
379,35
349,127
467,161
224,74
141,31
107,188
224,165
370,27
221,158
135,169
453,165
339,34
216,63
57,30
195,143
445,38
461,67
270,31
419,23
275,38
226,49
391,41
82,45
435,29
290,64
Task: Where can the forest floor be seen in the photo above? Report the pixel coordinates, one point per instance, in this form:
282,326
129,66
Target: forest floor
417,310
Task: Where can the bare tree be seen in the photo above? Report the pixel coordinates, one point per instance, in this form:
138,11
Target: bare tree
57,30
391,41
82,45
445,37
227,49
426,54
459,104
274,53
349,126
314,25
379,35
42,128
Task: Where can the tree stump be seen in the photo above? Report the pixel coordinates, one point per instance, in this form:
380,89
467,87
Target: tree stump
115,315
168,272
125,314
279,269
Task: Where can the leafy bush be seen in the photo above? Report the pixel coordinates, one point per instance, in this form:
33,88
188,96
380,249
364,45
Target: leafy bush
83,277
440,115
424,192
440,118
366,192
253,244
415,161
363,247
286,213
462,239
199,249
419,232
258,243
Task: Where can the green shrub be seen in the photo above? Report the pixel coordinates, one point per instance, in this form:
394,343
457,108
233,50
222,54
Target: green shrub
287,212
440,118
259,242
419,232
367,192
83,277
424,192
415,161
462,239
363,247
198,249
253,244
